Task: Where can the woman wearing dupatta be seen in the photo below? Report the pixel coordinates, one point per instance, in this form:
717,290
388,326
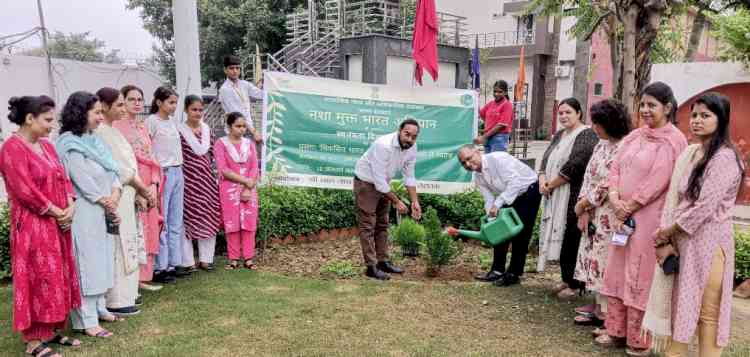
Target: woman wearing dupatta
638,181
202,218
697,227
89,163
149,171
129,249
45,281
563,166
237,165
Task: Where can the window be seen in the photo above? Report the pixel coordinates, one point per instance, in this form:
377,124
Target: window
598,89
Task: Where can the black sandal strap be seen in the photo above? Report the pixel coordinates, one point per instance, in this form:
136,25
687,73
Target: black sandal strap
39,350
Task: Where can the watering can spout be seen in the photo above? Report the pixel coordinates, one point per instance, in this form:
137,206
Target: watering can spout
470,234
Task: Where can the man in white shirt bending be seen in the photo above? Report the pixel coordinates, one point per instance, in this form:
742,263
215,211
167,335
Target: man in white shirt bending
235,93
505,181
373,172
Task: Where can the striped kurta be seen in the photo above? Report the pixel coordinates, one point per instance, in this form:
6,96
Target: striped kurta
202,215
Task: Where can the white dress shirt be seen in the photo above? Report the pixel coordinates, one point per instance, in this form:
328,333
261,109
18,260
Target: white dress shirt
383,160
235,97
166,140
503,178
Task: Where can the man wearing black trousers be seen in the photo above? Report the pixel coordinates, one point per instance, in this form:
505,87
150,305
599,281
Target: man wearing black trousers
505,181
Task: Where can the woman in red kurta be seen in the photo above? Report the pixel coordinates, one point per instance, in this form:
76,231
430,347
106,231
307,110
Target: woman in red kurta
45,283
237,165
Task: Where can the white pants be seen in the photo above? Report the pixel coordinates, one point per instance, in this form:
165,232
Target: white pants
87,316
206,249
125,289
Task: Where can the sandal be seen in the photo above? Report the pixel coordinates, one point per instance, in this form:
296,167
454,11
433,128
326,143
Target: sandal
101,334
638,352
559,287
599,331
43,350
65,341
609,341
206,266
111,318
585,310
250,265
567,294
233,265
592,320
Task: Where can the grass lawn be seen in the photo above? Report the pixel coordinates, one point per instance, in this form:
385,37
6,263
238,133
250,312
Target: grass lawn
244,313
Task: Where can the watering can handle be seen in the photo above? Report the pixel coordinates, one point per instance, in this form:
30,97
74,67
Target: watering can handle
513,215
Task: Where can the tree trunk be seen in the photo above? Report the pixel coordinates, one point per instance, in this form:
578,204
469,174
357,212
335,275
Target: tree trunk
696,32
581,72
630,25
615,55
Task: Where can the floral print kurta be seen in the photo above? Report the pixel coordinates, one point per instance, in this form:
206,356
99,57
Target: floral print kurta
594,248
45,282
237,215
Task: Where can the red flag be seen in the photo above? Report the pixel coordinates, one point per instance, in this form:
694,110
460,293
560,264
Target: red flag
424,42
518,95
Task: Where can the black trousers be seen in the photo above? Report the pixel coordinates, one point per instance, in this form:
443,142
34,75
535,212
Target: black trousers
527,207
569,254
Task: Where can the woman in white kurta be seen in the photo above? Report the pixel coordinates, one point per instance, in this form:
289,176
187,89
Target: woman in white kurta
130,250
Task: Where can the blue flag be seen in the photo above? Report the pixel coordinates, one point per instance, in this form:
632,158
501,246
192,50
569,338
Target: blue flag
475,82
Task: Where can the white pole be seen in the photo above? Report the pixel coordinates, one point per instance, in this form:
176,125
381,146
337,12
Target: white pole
187,53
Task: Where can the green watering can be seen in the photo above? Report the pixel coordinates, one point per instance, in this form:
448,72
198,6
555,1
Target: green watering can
499,230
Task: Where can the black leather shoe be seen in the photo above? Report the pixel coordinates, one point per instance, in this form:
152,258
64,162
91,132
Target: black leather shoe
181,272
490,276
125,311
375,273
508,279
387,267
163,277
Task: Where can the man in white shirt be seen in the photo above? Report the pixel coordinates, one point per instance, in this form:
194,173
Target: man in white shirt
505,181
235,93
373,172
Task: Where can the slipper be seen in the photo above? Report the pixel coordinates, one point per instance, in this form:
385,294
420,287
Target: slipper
111,318
233,265
599,331
101,334
609,341
39,351
588,321
567,294
250,265
65,341
585,310
559,287
638,352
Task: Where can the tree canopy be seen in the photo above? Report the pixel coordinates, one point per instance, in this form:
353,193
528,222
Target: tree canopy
77,46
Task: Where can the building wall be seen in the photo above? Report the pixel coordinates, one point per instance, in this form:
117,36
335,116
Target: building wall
27,75
506,69
600,70
482,16
689,79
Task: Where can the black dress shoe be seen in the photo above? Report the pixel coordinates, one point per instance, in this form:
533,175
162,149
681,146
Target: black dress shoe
387,267
139,300
181,272
163,277
376,273
490,276
125,311
508,279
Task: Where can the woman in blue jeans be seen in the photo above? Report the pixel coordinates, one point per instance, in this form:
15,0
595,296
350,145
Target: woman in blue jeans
498,120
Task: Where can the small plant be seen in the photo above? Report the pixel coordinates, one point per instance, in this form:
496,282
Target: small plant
409,235
485,260
441,248
742,253
338,269
5,268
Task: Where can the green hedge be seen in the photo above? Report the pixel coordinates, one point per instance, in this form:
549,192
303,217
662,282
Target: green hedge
742,253
299,211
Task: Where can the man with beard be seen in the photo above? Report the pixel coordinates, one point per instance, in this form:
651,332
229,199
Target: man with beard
373,172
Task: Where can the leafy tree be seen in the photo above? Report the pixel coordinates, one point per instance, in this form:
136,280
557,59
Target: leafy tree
733,31
77,46
225,27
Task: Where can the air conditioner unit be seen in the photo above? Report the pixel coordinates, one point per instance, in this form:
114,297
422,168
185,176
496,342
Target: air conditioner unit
562,71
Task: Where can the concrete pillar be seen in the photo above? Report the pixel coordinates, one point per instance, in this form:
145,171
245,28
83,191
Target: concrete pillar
187,53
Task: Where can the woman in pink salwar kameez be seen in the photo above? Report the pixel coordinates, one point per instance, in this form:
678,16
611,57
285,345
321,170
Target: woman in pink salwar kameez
149,171
237,164
638,181
699,230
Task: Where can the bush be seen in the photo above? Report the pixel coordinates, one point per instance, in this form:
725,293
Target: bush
5,269
742,253
409,235
441,248
460,210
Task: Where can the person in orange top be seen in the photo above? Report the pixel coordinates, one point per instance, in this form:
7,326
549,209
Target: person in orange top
498,120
